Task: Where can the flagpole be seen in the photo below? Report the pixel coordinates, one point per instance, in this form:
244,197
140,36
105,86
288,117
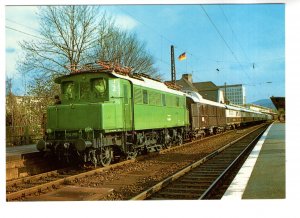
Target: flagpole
186,65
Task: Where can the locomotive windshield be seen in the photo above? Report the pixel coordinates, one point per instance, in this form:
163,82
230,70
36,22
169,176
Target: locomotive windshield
99,87
91,90
68,90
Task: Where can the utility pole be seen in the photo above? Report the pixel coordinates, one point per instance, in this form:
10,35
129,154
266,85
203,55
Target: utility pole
173,70
226,101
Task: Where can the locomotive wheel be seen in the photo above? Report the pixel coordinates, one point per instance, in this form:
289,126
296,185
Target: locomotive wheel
105,156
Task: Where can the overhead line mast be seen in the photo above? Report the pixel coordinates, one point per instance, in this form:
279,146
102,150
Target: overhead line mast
173,70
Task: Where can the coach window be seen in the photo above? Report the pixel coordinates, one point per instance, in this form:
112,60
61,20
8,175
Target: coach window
163,97
145,97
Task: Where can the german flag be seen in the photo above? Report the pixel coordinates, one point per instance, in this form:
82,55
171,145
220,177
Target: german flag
182,56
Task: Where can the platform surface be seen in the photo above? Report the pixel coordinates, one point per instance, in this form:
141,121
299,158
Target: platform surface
267,180
263,174
20,152
22,149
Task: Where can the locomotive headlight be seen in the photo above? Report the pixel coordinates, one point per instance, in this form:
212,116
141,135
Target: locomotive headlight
49,131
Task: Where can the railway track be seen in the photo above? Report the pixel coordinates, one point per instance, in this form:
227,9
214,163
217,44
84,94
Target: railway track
200,179
37,184
21,188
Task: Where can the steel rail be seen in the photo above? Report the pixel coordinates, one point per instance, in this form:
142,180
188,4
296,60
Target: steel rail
52,184
42,187
147,193
205,138
227,170
30,178
193,142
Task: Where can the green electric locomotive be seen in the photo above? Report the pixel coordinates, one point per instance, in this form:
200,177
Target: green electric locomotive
107,112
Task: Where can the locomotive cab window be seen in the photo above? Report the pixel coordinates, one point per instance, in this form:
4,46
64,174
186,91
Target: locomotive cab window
99,87
68,90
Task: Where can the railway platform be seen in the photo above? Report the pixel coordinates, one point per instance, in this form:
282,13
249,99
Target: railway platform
19,152
263,175
24,160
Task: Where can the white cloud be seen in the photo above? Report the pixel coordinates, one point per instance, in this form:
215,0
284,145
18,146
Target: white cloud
125,22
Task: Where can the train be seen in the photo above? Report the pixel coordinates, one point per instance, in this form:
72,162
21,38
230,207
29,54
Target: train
105,113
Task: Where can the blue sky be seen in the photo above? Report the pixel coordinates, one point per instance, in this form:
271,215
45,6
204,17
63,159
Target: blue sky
246,43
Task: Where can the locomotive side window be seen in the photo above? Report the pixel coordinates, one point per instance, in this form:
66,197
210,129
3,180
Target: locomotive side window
157,99
99,87
138,95
163,97
145,97
68,90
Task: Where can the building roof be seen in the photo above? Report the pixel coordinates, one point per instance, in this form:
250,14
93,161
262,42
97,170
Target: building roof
279,102
186,84
205,86
235,85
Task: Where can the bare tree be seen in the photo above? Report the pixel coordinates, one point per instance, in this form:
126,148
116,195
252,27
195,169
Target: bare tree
67,33
124,48
45,88
74,35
